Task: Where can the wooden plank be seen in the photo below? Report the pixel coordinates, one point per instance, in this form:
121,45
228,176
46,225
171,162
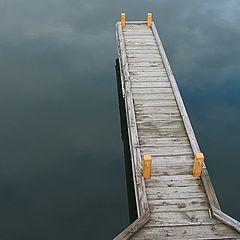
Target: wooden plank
140,44
175,126
153,91
183,218
176,178
159,124
164,107
124,77
221,216
212,198
150,128
136,84
154,96
158,147
148,73
143,33
159,116
172,181
175,193
173,170
136,39
142,51
136,24
198,232
147,64
180,141
143,56
156,109
128,232
165,133
175,205
132,36
170,161
124,73
145,48
146,59
160,120
140,184
172,192
148,78
135,28
153,104
162,126
146,69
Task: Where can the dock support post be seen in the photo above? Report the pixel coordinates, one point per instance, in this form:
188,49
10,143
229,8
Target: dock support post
123,19
149,19
147,166
198,164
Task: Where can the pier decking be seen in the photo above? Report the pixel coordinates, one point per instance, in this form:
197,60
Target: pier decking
172,204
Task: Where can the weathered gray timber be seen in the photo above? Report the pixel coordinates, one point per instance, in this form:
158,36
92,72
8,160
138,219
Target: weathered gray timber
172,204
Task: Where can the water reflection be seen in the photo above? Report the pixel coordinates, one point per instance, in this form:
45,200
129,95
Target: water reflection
62,172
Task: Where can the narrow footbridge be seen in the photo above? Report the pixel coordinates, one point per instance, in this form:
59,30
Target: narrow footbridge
174,195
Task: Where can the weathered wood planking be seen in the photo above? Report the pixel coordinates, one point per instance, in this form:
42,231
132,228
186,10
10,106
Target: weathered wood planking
172,204
206,232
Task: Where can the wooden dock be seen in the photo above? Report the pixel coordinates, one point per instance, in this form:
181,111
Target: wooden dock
171,204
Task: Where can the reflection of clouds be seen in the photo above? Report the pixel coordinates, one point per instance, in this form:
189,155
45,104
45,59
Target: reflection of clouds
203,43
60,135
201,38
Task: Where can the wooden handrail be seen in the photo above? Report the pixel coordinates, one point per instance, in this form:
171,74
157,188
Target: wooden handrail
128,232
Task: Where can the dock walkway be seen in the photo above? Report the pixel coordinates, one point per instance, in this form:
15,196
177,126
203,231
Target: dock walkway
172,204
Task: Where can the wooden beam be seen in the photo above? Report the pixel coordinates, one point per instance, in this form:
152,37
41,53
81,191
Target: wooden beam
138,180
211,195
134,227
221,216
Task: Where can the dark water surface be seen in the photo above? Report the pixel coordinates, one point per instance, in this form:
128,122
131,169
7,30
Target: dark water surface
62,170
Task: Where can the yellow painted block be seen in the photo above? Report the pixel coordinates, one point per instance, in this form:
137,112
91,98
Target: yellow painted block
149,19
147,166
198,164
123,19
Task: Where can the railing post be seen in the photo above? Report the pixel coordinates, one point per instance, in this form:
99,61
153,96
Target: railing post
149,19
198,164
123,19
147,166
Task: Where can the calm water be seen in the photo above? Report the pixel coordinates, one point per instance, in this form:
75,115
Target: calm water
62,169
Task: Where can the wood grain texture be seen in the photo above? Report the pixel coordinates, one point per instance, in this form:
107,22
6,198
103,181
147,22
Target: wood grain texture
198,232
